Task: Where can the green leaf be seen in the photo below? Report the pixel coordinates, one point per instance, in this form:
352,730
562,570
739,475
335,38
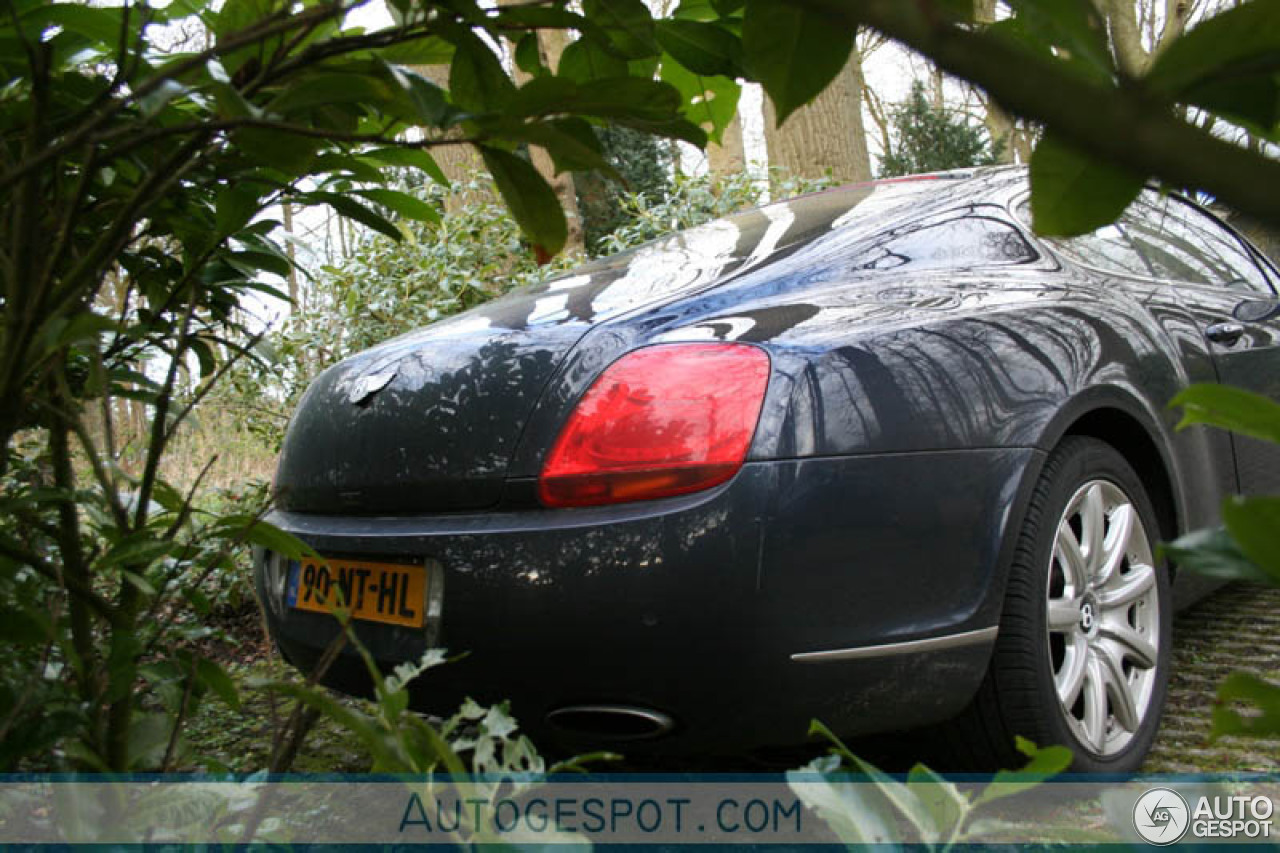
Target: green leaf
256,259
80,327
942,800
1251,690
236,205
403,204
1235,409
330,88
167,496
335,165
1073,29
548,95
412,158
205,355
428,100
1071,193
164,94
178,10
138,550
647,105
358,724
961,11
701,48
1246,98
793,51
199,602
696,10
148,738
255,531
216,679
528,55
614,97
25,626
709,102
239,14
628,24
587,60
231,103
1212,553
101,25
394,703
421,51
902,797
571,142
352,209
288,152
1227,64
477,80
122,658
139,583
532,202
1045,763
574,146
1254,523
540,17
160,672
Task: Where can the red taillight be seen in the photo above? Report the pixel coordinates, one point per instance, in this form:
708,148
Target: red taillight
661,421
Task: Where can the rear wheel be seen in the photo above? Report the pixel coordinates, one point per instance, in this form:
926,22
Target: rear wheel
1082,657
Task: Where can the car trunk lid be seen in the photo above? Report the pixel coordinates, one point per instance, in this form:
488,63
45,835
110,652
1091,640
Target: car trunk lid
429,422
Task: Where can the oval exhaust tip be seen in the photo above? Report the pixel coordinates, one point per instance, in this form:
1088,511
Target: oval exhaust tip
611,722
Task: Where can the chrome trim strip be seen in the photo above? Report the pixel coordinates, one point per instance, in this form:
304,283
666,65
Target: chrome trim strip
661,723
911,647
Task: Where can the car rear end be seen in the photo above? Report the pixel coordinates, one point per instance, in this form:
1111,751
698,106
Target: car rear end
611,524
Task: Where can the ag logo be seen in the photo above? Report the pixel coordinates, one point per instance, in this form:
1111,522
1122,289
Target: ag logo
1161,816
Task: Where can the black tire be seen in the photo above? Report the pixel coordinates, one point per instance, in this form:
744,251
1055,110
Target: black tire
1018,696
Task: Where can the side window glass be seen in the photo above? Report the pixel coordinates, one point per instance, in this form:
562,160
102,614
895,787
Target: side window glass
1107,249
1183,244
960,243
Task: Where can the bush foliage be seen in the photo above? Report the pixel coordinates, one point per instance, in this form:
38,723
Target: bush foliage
930,138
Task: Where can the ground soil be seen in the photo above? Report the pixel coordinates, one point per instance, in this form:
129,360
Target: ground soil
1237,628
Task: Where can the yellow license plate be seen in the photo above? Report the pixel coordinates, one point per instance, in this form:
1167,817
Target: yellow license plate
376,592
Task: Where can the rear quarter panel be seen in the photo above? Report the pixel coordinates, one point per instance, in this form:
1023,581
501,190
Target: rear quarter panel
914,415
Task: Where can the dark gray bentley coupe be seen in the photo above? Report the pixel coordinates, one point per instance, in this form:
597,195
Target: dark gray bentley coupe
877,456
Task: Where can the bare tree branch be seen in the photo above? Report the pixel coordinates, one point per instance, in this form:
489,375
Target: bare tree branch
1083,112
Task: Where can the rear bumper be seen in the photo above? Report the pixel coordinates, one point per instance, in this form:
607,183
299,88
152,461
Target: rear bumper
716,609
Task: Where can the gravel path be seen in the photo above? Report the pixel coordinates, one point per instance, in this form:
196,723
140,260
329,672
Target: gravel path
1236,628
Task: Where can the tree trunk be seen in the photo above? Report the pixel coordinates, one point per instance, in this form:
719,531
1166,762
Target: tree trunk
1022,143
880,118
1133,57
290,250
730,156
1126,36
551,44
456,161
826,136
999,123
1176,13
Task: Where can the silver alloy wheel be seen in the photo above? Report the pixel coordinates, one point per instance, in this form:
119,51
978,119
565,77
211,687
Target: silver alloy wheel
1103,617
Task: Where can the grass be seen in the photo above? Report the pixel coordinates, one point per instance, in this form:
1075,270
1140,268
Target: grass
240,740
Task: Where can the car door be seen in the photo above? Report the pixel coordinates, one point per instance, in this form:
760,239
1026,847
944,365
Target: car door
1231,295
